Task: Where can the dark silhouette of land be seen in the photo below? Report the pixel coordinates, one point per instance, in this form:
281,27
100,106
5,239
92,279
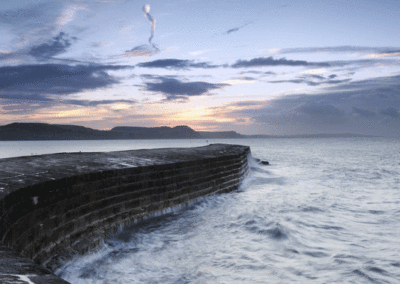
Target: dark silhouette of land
42,131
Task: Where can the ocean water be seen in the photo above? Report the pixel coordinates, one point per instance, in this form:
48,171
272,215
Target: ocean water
323,211
10,149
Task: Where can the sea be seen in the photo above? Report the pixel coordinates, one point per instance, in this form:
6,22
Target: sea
325,210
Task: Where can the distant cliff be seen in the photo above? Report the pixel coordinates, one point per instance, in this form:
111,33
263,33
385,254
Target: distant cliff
224,134
43,131
164,132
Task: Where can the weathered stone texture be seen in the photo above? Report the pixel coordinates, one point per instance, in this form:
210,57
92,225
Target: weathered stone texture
56,205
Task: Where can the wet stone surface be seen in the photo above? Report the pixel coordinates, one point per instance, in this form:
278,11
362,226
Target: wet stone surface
24,171
25,183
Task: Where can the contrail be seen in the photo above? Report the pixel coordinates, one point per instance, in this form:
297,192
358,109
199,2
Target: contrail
146,10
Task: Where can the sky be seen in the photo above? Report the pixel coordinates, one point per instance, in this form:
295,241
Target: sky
255,67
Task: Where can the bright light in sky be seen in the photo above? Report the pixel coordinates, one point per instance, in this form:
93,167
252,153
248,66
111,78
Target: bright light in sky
146,9
268,67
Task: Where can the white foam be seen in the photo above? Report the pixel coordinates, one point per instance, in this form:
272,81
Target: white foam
23,278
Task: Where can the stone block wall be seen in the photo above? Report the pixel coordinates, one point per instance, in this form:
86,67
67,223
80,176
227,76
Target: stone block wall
47,220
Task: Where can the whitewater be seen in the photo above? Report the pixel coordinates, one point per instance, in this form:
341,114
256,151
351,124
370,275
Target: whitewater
323,211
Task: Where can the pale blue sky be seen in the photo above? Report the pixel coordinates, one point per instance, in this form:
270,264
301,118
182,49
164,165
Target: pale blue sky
271,67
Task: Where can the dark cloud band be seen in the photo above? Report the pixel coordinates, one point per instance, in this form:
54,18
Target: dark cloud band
233,30
270,61
174,89
36,81
45,51
370,107
314,80
175,64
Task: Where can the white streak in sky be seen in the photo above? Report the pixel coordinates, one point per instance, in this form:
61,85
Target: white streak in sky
146,10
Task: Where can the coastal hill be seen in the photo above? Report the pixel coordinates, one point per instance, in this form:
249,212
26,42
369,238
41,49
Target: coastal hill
164,132
43,131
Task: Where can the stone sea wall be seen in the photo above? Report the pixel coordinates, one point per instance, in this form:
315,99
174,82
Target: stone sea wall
54,206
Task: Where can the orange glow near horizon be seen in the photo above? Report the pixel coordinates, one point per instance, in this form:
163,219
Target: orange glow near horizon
381,55
105,117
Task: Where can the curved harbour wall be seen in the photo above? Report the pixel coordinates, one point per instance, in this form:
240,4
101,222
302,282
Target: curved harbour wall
52,206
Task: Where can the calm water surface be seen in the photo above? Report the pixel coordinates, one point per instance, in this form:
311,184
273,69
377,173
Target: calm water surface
27,148
324,211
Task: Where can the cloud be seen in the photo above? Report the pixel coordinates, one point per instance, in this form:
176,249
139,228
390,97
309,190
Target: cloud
36,30
391,51
391,112
336,49
368,107
245,103
363,112
8,56
258,72
270,61
34,23
174,89
52,48
141,50
26,107
34,82
384,54
232,30
111,1
320,109
240,81
102,44
236,29
96,103
23,17
199,52
313,80
175,64
246,78
295,81
315,76
301,116
68,15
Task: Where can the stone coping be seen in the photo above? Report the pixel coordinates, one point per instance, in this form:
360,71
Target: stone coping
21,172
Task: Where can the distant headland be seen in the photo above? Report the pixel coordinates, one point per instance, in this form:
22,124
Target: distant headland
43,131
